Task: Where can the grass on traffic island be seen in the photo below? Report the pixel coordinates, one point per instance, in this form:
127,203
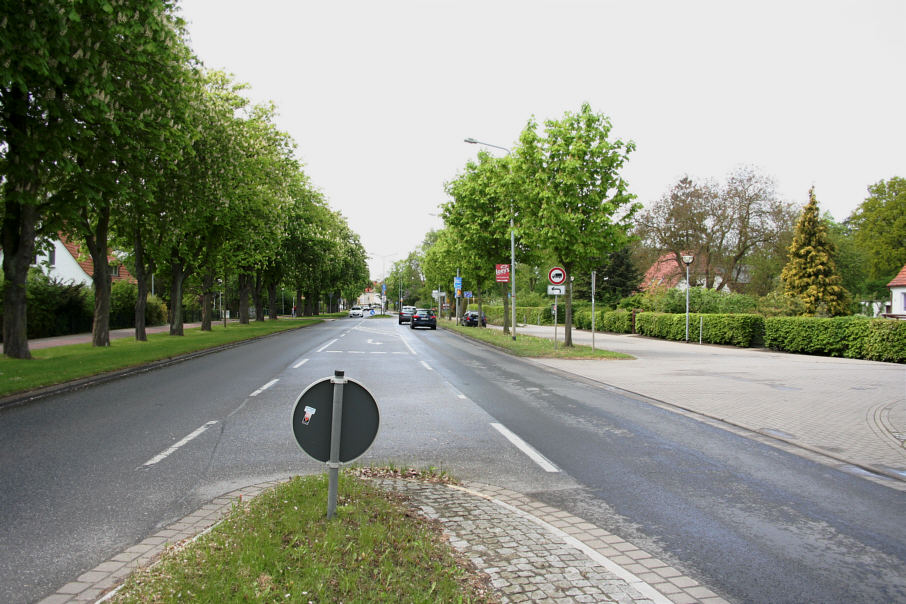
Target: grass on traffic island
280,547
59,364
531,346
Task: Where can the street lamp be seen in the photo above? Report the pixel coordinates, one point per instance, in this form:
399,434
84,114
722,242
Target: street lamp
687,260
472,141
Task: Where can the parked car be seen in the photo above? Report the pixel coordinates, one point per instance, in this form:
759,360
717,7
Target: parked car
423,317
355,311
470,319
406,314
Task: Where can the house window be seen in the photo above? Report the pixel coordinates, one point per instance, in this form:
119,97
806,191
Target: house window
903,305
52,256
116,270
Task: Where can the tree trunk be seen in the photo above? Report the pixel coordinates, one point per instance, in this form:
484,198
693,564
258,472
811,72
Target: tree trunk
141,301
18,241
207,301
177,280
506,310
257,286
96,242
309,305
244,290
20,219
272,298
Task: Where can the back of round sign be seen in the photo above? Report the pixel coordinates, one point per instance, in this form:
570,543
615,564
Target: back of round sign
313,414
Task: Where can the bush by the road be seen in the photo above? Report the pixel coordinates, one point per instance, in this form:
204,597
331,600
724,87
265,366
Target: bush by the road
850,337
738,330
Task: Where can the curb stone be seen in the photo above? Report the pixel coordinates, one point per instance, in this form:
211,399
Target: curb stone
531,551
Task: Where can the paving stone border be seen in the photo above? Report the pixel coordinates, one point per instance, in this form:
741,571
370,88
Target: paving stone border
531,551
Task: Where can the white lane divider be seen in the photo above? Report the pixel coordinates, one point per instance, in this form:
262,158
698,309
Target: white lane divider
265,387
322,348
300,363
426,366
526,448
164,454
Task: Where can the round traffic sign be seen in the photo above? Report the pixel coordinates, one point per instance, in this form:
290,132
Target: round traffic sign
313,416
557,276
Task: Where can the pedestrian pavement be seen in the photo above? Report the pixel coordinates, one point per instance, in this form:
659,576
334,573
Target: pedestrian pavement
846,413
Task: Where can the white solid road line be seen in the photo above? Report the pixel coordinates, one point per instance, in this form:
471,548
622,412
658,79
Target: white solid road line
300,363
427,366
265,387
163,455
523,446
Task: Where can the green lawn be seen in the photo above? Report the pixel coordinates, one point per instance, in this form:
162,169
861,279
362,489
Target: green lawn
530,346
64,363
280,547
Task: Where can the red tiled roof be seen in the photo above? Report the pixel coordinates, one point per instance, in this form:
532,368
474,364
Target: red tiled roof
900,279
666,271
88,265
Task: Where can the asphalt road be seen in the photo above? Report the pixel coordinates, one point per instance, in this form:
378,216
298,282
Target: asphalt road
87,474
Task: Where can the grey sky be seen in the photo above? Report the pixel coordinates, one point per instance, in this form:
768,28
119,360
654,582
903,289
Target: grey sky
380,95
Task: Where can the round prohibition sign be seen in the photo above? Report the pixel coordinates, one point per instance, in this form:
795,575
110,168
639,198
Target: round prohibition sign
557,276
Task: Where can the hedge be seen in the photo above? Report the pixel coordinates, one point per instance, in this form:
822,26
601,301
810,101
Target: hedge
850,337
737,330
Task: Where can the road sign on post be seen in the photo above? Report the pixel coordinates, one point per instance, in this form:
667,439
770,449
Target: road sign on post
503,273
556,290
557,276
327,434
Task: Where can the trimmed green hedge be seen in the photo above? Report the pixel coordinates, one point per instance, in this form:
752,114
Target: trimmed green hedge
850,337
737,330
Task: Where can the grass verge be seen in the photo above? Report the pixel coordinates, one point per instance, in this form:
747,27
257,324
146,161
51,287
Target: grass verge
280,547
531,346
60,364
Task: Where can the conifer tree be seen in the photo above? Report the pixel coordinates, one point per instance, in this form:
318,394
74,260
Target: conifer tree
811,273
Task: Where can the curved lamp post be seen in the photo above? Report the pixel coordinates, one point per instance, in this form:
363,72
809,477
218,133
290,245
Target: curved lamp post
472,141
687,260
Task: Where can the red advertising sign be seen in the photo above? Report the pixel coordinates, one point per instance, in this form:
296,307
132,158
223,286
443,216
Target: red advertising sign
503,273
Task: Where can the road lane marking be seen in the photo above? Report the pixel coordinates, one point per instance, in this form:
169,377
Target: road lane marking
300,363
265,387
407,345
164,454
526,448
321,349
427,366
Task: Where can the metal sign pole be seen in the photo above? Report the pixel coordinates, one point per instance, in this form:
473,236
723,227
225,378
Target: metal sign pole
333,464
593,310
555,321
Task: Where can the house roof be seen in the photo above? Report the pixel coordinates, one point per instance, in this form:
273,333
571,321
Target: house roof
665,271
88,265
900,279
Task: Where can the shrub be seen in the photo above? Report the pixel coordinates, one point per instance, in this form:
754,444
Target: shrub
617,321
738,330
852,337
55,307
123,296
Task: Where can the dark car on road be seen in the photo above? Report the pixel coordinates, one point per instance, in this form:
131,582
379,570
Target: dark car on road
423,317
406,314
470,319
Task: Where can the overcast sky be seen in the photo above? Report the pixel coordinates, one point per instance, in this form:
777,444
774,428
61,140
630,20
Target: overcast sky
379,95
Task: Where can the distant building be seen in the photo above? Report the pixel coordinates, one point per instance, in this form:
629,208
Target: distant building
64,263
898,296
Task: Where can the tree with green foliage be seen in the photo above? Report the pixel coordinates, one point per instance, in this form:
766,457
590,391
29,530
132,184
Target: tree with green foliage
479,217
879,228
811,273
65,75
575,203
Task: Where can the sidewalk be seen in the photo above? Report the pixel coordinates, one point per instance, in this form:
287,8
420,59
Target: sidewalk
848,410
84,338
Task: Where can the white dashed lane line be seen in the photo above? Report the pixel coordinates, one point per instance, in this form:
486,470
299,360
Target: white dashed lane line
323,348
167,452
265,387
300,363
526,448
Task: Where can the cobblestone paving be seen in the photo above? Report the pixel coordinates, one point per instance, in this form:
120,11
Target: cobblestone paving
531,560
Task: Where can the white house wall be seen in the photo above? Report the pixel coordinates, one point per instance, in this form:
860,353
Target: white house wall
65,267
